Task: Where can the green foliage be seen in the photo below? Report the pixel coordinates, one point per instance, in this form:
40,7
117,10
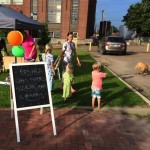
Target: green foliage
3,33
4,92
138,17
114,29
44,36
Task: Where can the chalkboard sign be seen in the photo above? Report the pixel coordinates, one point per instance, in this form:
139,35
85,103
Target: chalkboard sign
30,89
30,84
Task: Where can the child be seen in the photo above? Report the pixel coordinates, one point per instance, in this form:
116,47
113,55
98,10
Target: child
48,58
68,80
97,84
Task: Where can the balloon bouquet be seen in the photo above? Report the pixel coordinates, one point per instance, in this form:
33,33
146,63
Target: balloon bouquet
15,38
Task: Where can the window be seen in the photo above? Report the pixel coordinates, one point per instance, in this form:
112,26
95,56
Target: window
54,34
14,2
5,1
51,34
115,39
34,6
74,15
54,11
34,9
75,34
17,2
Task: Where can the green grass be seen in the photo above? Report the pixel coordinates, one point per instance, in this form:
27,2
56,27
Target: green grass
115,93
4,93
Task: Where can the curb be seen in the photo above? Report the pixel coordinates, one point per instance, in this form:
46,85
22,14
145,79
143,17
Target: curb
126,110
122,110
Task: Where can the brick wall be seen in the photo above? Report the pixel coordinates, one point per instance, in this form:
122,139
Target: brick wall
42,10
16,7
82,19
85,24
27,7
65,20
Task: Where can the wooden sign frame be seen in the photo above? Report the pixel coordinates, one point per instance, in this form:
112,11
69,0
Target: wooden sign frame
30,107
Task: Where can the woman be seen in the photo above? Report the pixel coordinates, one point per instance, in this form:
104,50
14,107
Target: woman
67,52
29,46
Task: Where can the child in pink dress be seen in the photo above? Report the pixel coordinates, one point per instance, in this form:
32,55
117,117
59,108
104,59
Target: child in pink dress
96,87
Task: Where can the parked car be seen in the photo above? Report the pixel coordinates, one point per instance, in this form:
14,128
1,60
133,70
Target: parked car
113,44
93,40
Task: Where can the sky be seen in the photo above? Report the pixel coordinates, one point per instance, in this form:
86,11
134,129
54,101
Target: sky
114,10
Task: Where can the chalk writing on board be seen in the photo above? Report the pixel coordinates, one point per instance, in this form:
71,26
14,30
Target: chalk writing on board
37,79
26,72
32,96
30,85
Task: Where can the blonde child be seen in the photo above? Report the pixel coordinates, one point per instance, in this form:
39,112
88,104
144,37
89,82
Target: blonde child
68,79
96,87
48,58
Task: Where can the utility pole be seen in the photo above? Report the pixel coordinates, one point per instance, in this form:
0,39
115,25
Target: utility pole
112,30
103,15
103,24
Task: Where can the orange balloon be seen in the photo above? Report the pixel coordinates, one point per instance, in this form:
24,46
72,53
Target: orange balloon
15,38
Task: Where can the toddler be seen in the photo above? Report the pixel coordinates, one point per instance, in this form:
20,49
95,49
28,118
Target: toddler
68,79
96,87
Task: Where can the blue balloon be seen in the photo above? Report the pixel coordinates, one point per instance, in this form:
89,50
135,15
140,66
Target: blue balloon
18,51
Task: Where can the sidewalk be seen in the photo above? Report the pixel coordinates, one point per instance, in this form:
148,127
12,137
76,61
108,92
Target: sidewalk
77,129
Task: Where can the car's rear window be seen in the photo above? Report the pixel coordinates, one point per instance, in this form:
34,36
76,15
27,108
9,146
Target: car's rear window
115,39
94,38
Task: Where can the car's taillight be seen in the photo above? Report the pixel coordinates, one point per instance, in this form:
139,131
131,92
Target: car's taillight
107,44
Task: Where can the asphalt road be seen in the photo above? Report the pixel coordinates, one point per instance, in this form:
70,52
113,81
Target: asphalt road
124,66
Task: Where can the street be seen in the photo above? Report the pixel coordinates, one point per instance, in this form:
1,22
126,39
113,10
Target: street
124,66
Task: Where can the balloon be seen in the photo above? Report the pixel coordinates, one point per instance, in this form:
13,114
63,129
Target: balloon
15,38
18,51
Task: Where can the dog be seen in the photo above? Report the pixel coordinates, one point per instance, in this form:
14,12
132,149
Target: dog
141,68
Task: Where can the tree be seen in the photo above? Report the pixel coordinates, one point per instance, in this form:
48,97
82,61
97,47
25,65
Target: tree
114,29
138,17
44,36
3,33
146,16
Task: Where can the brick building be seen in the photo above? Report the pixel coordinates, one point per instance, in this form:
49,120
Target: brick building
61,15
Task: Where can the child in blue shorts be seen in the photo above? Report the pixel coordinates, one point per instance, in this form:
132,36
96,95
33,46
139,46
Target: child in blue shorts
96,87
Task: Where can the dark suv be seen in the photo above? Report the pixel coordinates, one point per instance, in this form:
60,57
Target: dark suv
93,40
113,44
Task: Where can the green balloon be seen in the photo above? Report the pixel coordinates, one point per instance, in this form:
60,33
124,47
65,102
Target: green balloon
18,51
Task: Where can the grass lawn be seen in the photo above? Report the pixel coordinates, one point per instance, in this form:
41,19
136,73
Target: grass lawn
115,93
